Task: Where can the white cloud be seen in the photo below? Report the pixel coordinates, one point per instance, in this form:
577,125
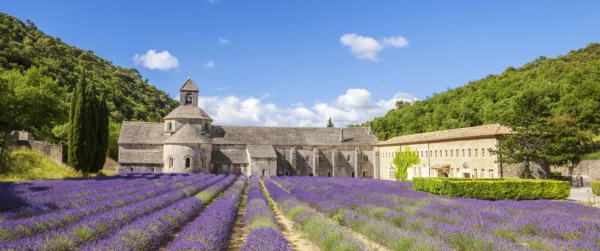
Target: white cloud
162,61
362,47
396,42
367,47
213,1
209,65
224,41
355,106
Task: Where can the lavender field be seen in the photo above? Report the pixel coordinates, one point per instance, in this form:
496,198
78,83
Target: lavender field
157,211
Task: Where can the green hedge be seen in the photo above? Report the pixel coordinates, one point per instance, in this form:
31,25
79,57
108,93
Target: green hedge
596,187
494,189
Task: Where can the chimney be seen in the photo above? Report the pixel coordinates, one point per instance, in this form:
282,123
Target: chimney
341,135
370,127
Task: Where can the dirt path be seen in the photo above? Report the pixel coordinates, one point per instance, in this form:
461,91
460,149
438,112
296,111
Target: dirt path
297,240
238,233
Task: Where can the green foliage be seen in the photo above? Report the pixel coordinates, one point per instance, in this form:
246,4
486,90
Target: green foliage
79,126
38,72
114,129
329,123
571,80
591,156
4,154
30,165
595,184
102,134
404,160
494,189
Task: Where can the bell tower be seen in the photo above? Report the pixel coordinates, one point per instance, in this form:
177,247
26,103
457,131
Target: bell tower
188,94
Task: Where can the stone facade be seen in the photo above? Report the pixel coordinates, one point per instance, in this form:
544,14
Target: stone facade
588,169
188,142
452,153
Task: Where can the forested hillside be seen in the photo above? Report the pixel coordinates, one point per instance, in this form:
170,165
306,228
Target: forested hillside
568,85
38,73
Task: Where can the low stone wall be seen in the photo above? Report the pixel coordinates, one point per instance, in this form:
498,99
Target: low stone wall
55,152
588,169
139,168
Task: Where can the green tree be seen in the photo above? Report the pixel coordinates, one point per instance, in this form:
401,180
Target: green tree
404,160
329,123
101,135
91,127
79,125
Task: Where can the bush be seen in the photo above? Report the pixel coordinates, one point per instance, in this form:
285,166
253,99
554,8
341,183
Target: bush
596,187
494,189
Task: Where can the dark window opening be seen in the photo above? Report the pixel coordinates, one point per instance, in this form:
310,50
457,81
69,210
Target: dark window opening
188,99
188,162
131,169
352,174
328,174
310,175
348,157
170,162
263,173
287,173
169,127
364,174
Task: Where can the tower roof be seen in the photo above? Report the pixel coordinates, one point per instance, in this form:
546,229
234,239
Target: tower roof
188,134
187,112
189,85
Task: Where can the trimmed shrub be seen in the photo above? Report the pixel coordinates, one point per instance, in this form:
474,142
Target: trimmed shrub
494,189
595,187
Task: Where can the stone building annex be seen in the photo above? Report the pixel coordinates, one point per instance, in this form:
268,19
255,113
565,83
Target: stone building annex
187,141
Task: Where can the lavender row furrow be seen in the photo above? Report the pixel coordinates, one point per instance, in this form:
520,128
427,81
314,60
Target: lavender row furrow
212,229
38,207
152,231
325,234
19,228
260,222
98,226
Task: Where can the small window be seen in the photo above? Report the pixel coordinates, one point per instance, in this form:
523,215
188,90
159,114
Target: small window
320,158
435,153
263,172
188,99
310,175
352,174
392,174
348,157
446,153
287,173
482,152
482,173
188,162
170,162
430,154
492,174
306,157
364,174
169,126
328,174
469,153
451,153
366,158
475,152
475,173
463,153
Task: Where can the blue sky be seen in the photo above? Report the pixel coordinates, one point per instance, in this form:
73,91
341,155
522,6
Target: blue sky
290,63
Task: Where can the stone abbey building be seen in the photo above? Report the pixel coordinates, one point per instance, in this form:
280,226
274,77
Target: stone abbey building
187,141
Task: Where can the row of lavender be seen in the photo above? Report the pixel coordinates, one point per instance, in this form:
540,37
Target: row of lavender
454,223
260,222
325,234
86,227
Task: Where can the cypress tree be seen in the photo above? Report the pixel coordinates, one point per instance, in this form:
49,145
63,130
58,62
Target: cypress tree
102,135
91,126
77,126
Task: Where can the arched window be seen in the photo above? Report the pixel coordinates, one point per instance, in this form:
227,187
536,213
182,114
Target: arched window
188,99
170,162
364,174
352,174
287,173
306,157
188,162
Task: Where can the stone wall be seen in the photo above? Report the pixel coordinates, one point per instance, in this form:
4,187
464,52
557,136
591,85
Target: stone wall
589,169
140,168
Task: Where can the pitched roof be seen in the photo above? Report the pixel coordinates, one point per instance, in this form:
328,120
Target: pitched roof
250,135
229,156
188,134
189,85
448,135
148,156
261,151
141,133
188,112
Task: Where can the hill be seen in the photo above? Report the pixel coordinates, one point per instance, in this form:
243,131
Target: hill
570,84
38,73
